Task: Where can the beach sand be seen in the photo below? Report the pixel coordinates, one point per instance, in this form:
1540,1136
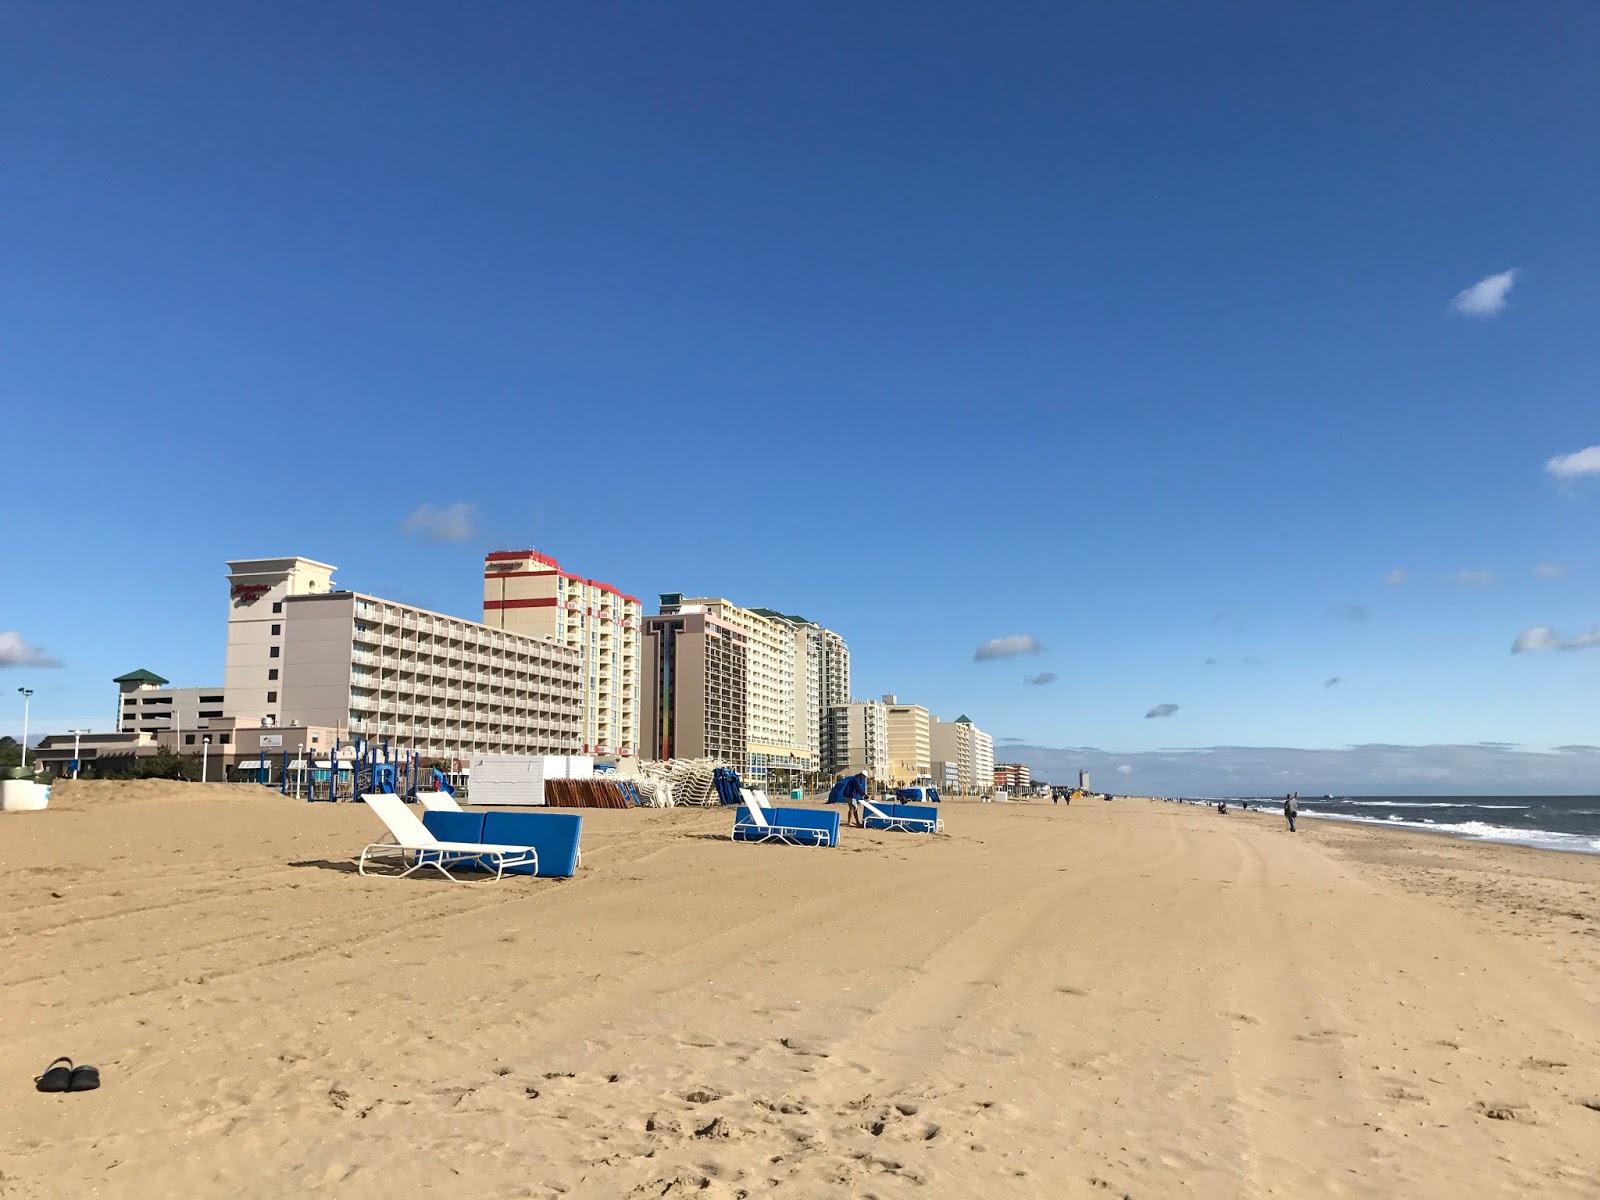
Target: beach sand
1125,999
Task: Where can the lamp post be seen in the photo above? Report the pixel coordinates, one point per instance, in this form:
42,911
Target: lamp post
76,734
205,756
27,695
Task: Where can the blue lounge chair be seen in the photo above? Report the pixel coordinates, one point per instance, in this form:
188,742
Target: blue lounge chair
552,837
793,826
903,818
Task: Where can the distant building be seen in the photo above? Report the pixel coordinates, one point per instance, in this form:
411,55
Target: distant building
145,704
776,733
302,653
528,593
695,685
821,677
910,754
1014,777
964,744
857,740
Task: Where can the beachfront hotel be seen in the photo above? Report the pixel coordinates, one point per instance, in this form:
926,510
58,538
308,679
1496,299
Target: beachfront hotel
821,676
528,593
302,652
1012,776
910,750
771,657
694,702
961,745
857,740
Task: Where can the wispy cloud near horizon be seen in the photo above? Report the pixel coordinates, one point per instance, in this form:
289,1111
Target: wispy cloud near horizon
452,523
16,652
1487,297
1542,637
1041,679
1472,578
1007,647
1396,577
1161,710
1550,570
1334,682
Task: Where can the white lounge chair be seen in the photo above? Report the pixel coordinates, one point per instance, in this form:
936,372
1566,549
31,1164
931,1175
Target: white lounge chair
412,840
438,802
755,800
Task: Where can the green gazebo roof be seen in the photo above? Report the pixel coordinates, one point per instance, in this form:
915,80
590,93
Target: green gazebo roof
141,676
963,719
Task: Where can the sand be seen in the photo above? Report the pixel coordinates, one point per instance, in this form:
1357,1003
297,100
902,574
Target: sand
1101,1000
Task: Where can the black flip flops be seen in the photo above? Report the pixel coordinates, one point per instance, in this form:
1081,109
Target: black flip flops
68,1078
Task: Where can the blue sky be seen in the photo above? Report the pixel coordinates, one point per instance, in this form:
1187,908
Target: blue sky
1127,330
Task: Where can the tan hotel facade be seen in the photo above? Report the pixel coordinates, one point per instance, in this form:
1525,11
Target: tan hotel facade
301,651
528,593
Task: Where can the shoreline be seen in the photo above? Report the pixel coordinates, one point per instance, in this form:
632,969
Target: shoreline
1533,838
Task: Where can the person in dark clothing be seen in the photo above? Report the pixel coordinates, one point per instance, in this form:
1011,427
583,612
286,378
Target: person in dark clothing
1291,809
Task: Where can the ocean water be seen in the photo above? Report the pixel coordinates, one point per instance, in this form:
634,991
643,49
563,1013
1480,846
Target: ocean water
1569,823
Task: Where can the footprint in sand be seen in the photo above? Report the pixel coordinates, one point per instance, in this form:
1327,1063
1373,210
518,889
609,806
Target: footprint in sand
803,1046
1544,1064
1500,1110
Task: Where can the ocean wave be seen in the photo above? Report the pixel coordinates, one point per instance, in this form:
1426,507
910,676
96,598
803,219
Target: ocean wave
1428,804
1482,831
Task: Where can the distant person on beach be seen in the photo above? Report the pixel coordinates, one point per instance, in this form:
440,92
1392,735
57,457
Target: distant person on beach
1291,809
853,815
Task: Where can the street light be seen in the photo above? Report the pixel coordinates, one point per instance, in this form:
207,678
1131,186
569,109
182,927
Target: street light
205,755
76,734
27,695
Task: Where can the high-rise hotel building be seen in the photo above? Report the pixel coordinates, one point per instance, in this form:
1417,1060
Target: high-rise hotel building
773,663
528,593
301,651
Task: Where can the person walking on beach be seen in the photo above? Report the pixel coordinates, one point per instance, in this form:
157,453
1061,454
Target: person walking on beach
1291,809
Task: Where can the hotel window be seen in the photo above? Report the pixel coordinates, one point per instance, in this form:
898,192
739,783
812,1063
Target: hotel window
226,739
272,697
188,739
272,673
273,652
276,630
277,606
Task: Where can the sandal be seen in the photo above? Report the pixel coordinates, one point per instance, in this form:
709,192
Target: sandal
55,1079
84,1079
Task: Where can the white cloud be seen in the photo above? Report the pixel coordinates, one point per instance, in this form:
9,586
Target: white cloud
1007,647
14,652
1124,769
1487,297
1334,682
1578,463
1473,578
1041,679
1395,577
452,523
1162,710
1542,637
1551,570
